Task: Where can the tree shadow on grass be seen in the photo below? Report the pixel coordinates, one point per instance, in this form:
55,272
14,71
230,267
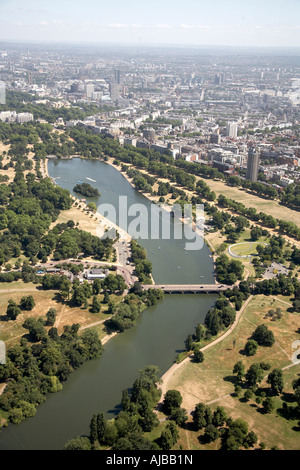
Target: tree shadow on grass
288,412
230,378
288,397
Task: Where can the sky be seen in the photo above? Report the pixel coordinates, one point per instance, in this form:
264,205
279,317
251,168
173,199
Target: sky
267,23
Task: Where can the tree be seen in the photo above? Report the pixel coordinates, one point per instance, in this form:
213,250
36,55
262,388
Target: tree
36,329
189,342
180,416
200,332
79,443
251,347
268,405
202,416
172,401
263,336
248,395
96,306
92,207
275,379
166,440
211,433
93,429
12,310
239,369
149,421
219,417
254,374
51,317
27,303
125,402
251,439
101,427
198,355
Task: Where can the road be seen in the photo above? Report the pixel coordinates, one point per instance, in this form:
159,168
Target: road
189,288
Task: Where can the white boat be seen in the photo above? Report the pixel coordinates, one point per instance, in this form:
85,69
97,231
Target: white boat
90,179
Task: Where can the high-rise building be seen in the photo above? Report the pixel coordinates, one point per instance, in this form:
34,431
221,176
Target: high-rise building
74,88
252,165
29,78
215,138
231,130
114,90
117,74
219,78
89,90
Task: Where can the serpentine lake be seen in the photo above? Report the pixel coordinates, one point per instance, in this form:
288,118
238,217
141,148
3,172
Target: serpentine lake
157,337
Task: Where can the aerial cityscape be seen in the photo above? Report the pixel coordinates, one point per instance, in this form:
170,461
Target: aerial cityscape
149,229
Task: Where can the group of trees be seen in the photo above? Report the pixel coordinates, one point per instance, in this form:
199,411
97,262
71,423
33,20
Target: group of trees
228,271
262,336
283,226
86,190
34,369
221,316
233,434
66,241
126,313
143,267
250,380
27,211
13,310
126,431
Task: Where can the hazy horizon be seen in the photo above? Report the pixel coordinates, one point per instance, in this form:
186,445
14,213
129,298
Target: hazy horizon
194,23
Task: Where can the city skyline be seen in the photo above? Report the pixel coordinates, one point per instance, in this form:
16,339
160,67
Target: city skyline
271,24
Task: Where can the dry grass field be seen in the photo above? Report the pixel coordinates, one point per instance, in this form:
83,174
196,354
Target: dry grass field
12,331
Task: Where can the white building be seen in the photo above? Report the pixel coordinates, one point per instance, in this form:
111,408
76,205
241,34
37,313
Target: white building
286,181
89,90
231,130
24,117
97,274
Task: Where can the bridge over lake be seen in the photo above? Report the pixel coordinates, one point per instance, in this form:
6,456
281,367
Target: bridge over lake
189,288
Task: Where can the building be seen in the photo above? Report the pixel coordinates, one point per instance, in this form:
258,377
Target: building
286,181
231,130
149,134
24,117
29,78
97,274
215,139
252,165
75,88
89,90
114,91
117,75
